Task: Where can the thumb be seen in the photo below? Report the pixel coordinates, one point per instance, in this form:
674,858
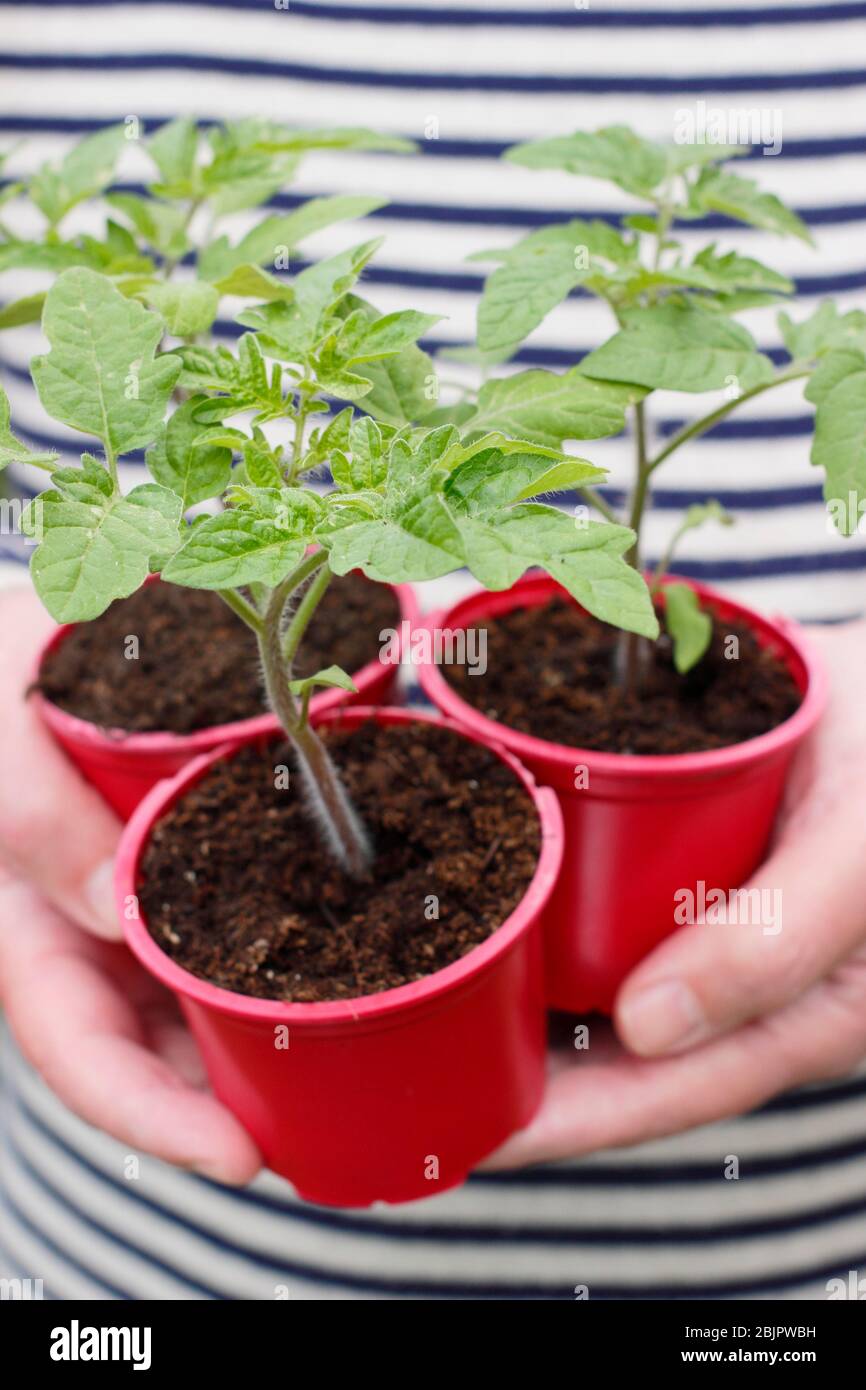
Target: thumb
800,914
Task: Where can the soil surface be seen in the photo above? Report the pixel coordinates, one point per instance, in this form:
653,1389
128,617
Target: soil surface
236,887
549,673
197,662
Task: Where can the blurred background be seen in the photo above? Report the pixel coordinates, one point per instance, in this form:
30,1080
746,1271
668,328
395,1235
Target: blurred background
465,81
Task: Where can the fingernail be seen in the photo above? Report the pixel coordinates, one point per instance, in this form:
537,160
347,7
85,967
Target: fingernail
661,1017
99,898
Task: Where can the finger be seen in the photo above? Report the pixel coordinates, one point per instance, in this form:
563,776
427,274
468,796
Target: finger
82,1035
624,1100
804,912
55,829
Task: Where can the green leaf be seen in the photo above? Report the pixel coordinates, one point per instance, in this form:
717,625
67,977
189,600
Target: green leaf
56,256
173,150
742,199
489,480
690,629
11,448
333,677
26,310
100,376
255,544
537,274
436,509
839,447
263,462
340,138
404,387
187,309
614,153
833,367
323,443
419,539
292,331
252,282
371,340
364,463
243,377
691,155
82,173
678,347
244,179
731,272
548,408
824,331
205,368
162,225
587,560
184,459
96,551
262,245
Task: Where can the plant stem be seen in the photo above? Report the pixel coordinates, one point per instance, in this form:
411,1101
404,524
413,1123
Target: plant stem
298,441
639,497
170,262
699,427
596,500
337,818
111,460
244,610
629,648
304,612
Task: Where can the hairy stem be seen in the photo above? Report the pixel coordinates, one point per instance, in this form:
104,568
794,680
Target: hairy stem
337,818
242,607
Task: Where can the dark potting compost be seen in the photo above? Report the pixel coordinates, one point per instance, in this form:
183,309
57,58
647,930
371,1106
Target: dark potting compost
549,673
236,886
197,663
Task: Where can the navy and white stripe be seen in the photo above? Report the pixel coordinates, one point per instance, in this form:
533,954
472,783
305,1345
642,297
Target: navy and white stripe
658,1221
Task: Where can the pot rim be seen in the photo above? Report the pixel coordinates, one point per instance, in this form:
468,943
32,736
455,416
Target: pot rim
83,732
366,1007
532,590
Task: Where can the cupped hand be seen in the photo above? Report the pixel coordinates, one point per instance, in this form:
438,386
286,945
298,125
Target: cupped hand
720,1018
111,1042
55,829
106,1037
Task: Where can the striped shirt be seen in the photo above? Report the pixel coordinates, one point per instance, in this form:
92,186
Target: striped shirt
466,79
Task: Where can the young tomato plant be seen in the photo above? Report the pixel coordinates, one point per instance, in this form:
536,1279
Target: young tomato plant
405,503
195,182
676,330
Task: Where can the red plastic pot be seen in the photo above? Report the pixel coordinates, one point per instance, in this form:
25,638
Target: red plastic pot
640,827
124,766
373,1096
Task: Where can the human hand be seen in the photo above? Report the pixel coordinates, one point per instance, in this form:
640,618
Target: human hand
106,1037
719,1019
55,830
